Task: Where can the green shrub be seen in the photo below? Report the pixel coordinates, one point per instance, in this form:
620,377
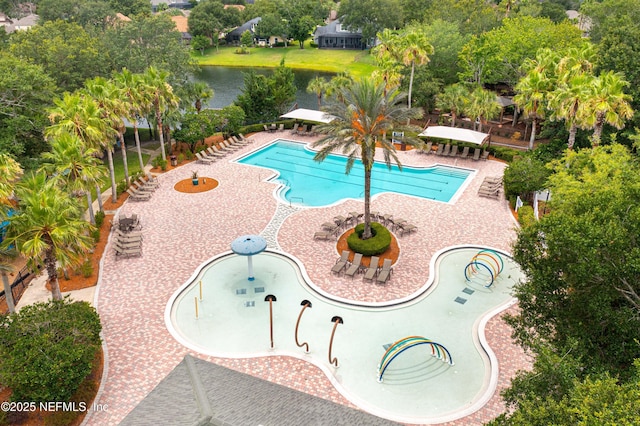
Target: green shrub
189,155
181,157
99,218
95,234
526,216
159,162
87,267
121,187
504,153
377,244
47,349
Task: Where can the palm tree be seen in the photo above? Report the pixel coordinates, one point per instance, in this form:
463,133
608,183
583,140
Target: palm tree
454,98
10,172
415,49
567,102
318,85
48,228
364,115
338,83
136,101
5,268
607,103
199,92
162,97
79,115
74,166
532,93
482,105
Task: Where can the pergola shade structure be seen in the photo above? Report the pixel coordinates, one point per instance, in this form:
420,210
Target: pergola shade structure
309,115
455,133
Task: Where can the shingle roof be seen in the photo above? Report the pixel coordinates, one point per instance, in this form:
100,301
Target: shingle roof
198,392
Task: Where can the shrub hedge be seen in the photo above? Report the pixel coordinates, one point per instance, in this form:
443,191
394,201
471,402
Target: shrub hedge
526,216
377,244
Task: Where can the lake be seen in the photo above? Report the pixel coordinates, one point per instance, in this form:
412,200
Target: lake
227,83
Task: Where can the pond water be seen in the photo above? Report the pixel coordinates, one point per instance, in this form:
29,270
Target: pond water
227,83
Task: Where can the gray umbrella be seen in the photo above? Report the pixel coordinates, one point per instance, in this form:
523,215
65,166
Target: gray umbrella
248,245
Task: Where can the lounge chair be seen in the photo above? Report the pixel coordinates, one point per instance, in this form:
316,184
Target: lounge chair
485,155
355,266
243,138
397,223
203,160
489,193
341,263
465,153
447,150
476,154
407,228
330,227
426,149
152,178
372,270
385,272
128,244
142,188
148,183
137,196
128,236
126,252
214,152
240,142
229,147
454,151
281,127
323,235
266,129
312,131
340,220
440,149
295,129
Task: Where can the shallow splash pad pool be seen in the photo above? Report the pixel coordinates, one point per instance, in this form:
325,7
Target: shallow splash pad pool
233,321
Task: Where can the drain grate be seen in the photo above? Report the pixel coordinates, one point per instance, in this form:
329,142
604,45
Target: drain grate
461,300
249,304
468,290
241,291
259,290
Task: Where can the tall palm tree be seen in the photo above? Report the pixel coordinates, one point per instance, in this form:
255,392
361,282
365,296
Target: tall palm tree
483,105
532,93
5,268
607,103
338,83
415,49
162,97
318,85
80,115
110,100
568,101
10,172
136,100
364,115
74,166
48,228
454,98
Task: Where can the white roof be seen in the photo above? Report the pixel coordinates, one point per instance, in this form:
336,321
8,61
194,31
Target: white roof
309,115
455,133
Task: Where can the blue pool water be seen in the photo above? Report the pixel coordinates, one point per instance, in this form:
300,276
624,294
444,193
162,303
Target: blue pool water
313,183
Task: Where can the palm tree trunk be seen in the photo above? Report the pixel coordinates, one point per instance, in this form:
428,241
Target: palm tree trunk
367,202
99,198
7,293
112,172
52,273
533,134
597,130
453,119
123,148
413,66
160,134
572,135
92,217
138,147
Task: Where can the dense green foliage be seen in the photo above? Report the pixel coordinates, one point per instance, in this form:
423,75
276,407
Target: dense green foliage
524,176
370,16
47,349
377,244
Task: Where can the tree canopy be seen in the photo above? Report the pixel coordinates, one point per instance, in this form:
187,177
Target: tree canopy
370,16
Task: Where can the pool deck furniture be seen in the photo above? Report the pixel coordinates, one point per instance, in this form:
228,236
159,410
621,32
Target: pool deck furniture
465,153
294,130
246,139
407,228
341,263
385,272
372,270
213,151
440,149
447,150
476,154
203,160
137,196
397,223
323,235
340,220
121,251
426,149
355,266
281,127
485,155
454,151
149,183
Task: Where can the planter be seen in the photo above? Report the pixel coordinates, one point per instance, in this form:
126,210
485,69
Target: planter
195,182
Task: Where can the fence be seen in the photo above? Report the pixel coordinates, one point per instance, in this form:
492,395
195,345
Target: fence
17,288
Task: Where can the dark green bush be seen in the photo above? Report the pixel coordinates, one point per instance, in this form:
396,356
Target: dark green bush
526,216
504,153
377,244
121,187
47,349
95,234
159,162
99,218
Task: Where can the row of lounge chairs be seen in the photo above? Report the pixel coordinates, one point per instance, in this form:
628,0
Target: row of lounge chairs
304,130
490,187
127,244
449,150
330,230
141,190
273,127
399,225
371,272
228,146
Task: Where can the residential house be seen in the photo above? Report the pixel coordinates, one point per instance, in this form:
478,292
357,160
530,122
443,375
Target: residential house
335,36
233,37
22,24
182,24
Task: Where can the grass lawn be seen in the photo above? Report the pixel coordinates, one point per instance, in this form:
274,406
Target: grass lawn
118,165
358,63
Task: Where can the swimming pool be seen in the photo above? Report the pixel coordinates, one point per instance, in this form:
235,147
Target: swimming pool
233,321
311,183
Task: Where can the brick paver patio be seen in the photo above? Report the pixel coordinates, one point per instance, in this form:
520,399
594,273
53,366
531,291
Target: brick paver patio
183,230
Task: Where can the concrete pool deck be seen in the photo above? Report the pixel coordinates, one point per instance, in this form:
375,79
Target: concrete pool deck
183,230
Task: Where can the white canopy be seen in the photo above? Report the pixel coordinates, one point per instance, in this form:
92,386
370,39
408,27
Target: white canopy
308,115
455,133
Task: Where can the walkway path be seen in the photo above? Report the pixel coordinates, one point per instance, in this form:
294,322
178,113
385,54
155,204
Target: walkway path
183,230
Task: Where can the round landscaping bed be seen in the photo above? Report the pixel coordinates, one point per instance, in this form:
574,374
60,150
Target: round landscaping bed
204,184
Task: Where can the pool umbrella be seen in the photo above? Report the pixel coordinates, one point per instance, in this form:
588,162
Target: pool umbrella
248,245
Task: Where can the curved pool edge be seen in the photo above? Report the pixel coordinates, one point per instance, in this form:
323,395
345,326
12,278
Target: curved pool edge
490,382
